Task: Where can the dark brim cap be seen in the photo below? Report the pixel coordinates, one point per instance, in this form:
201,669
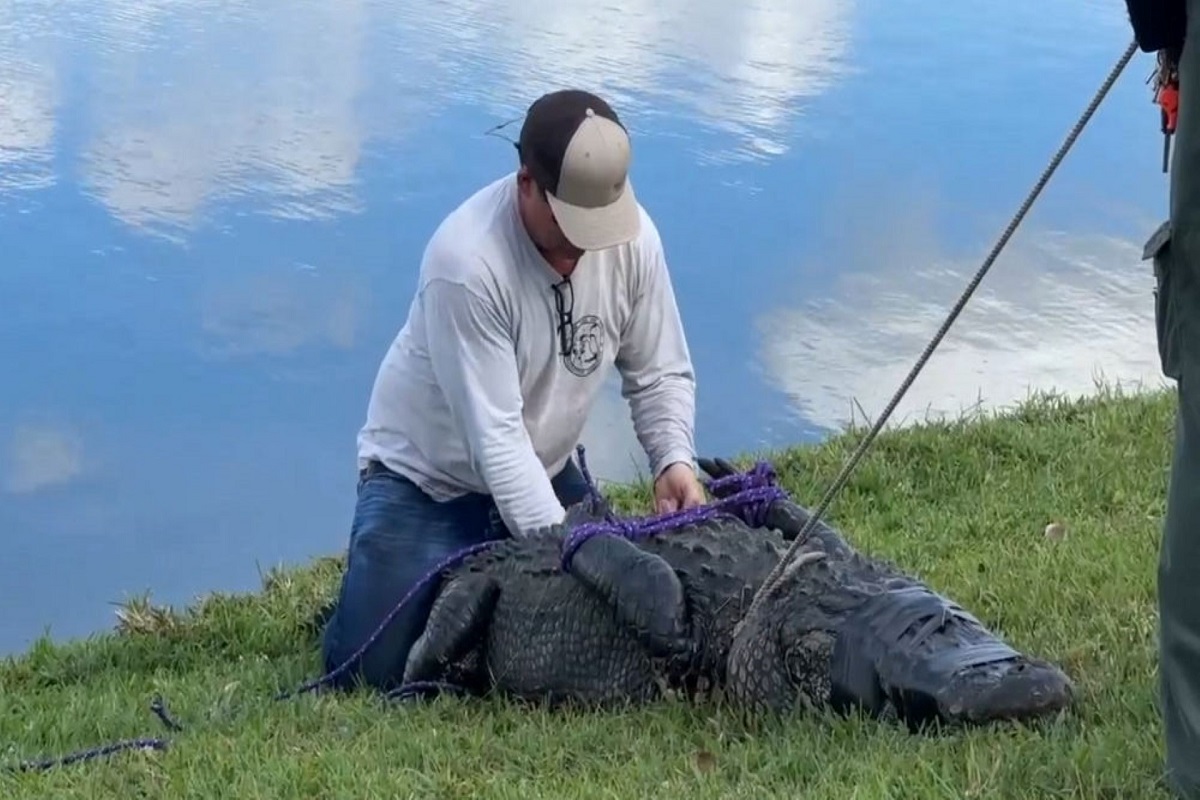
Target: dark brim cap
579,152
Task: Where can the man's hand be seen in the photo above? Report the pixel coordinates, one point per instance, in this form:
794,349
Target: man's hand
677,488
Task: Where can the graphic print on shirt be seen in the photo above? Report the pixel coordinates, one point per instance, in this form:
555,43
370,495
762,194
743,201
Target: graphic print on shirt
587,346
581,342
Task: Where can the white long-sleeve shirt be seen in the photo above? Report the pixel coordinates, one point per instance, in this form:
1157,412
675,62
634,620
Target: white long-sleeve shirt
473,394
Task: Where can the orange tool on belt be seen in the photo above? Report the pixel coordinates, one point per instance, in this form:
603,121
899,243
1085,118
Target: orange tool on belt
1166,94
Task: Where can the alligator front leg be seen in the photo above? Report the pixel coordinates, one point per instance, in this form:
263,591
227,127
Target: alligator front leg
642,588
789,518
455,626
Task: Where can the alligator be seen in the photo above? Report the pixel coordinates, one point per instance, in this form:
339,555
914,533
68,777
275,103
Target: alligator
630,619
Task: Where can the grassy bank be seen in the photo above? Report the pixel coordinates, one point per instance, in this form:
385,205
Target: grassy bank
964,505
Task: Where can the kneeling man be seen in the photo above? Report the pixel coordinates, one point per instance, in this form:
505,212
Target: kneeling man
528,292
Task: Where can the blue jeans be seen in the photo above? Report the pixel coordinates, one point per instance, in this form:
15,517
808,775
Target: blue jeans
398,534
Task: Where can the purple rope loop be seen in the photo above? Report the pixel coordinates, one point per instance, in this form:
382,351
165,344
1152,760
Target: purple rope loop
747,495
761,474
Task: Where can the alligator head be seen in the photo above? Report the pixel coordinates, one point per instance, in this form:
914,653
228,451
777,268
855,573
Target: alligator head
845,632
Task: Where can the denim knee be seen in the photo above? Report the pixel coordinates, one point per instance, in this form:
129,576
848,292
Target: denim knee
398,535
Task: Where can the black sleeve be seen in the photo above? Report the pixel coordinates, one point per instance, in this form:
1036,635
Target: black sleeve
1157,24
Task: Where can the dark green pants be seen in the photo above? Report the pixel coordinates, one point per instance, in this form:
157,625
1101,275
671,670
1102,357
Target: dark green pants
1176,253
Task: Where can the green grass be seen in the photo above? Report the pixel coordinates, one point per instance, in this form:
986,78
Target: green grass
964,505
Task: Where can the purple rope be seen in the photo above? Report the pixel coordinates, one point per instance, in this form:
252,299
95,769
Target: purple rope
451,560
147,743
416,688
747,495
87,755
761,474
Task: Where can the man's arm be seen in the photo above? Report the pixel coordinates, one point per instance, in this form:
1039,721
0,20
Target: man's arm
657,377
1157,24
472,354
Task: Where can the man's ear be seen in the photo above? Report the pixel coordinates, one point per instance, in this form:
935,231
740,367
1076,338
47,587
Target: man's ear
524,179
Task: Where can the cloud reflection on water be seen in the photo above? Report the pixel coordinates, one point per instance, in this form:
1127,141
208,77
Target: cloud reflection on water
1057,310
42,456
257,104
271,103
28,99
743,69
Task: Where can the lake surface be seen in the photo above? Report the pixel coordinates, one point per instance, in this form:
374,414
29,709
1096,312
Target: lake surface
211,215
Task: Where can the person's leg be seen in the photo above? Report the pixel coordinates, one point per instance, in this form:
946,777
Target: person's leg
1179,332
398,534
1179,600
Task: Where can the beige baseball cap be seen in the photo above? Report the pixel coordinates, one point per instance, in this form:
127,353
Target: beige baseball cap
578,151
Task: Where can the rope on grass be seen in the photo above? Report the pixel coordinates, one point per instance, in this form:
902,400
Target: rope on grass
748,496
147,743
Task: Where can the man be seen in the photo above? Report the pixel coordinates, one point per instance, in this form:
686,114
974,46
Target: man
528,292
1161,25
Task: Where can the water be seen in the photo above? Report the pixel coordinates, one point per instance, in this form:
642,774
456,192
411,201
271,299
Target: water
211,215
